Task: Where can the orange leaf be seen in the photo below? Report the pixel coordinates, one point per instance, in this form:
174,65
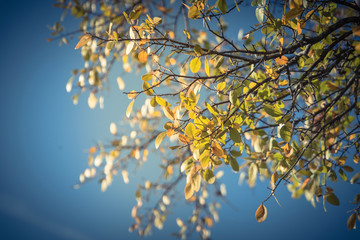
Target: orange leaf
282,60
83,40
143,56
183,139
217,150
92,150
132,94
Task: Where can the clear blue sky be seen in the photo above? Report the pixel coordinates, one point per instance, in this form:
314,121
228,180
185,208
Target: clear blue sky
44,138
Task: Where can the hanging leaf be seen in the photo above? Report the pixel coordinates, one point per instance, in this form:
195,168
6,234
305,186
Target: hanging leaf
194,12
129,47
222,6
189,190
261,213
132,94
332,199
351,221
147,89
83,40
195,65
183,139
217,150
159,139
234,164
129,108
143,56
147,77
272,111
209,176
259,13
207,68
235,135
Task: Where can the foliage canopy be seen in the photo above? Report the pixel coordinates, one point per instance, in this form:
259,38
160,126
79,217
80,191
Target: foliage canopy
278,103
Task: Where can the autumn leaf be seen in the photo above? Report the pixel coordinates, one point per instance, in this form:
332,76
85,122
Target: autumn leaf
281,60
195,65
143,56
261,213
83,40
351,221
183,139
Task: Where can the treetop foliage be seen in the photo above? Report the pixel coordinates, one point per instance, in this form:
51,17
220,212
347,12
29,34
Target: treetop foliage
278,103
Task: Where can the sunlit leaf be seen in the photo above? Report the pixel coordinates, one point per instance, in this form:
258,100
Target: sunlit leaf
195,65
209,176
129,108
222,6
189,190
282,60
159,139
83,40
143,56
261,213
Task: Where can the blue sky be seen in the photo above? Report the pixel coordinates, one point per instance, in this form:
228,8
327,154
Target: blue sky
44,138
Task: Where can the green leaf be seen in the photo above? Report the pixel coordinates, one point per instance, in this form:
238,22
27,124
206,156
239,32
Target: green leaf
219,61
332,199
208,176
234,164
159,139
285,133
273,111
147,89
190,130
194,12
342,175
235,135
129,108
147,77
205,158
198,50
222,6
195,65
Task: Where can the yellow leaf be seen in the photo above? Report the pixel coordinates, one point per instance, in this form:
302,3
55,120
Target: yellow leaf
83,40
207,68
292,13
129,108
283,83
143,56
281,60
189,190
159,139
168,113
132,94
194,12
261,213
195,65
